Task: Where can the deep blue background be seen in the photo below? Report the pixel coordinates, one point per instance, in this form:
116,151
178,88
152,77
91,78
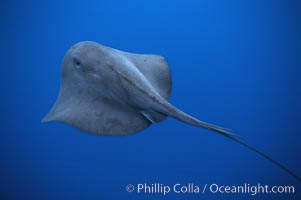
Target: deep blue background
234,63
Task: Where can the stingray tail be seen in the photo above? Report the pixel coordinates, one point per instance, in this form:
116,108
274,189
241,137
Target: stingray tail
265,156
234,137
178,114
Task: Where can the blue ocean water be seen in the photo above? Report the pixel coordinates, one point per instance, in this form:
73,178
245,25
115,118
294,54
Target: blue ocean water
234,63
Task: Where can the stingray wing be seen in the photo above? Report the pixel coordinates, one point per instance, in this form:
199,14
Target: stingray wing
102,115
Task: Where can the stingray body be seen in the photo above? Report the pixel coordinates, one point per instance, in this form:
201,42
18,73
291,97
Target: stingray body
105,91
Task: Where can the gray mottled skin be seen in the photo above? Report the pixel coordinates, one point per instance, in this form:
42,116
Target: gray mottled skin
110,92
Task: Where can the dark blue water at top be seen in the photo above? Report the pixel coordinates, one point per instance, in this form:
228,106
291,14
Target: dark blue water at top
234,63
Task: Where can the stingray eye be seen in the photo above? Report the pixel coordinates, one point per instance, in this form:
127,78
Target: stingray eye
77,63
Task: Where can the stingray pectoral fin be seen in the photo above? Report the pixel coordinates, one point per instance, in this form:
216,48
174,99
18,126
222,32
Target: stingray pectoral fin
155,69
46,119
96,114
